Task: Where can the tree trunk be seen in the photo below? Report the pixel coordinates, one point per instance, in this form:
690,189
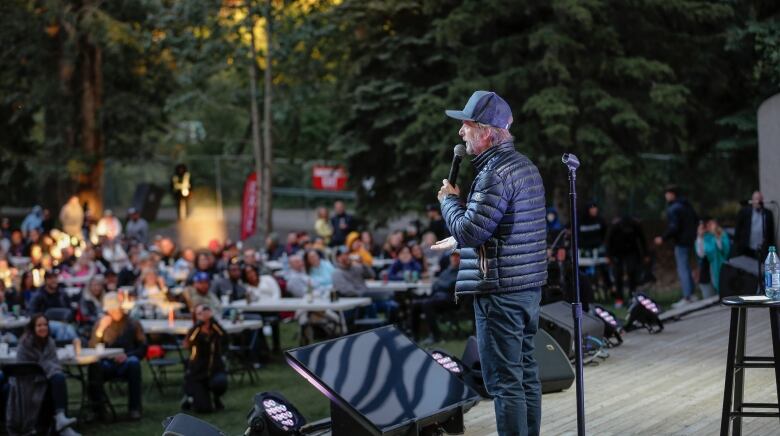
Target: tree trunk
90,182
255,122
268,146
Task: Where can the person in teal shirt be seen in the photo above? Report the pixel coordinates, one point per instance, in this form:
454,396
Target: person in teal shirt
712,247
320,270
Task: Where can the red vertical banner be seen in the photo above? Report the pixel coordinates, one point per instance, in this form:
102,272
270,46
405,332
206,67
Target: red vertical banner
249,207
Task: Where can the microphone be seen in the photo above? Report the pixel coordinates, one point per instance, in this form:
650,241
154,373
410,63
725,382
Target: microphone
458,152
570,161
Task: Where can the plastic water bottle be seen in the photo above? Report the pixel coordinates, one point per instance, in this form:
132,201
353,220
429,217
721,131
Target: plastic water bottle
772,274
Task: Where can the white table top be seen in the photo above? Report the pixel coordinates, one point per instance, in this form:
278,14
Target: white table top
293,304
9,322
87,356
397,286
592,261
182,326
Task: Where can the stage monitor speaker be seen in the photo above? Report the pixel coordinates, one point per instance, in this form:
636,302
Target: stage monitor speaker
186,425
557,320
379,382
555,370
146,200
739,276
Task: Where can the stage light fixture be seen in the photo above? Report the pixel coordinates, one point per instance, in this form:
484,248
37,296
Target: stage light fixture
612,328
644,311
450,363
273,415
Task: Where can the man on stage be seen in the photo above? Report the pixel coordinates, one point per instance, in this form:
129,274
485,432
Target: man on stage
501,232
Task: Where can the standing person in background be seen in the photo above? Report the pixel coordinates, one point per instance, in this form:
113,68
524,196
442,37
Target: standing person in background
72,217
626,249
181,188
136,229
501,232
342,224
749,239
681,222
712,246
593,232
322,226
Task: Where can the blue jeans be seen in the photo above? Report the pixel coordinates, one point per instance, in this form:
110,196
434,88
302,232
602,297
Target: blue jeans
681,253
61,331
59,392
506,326
129,370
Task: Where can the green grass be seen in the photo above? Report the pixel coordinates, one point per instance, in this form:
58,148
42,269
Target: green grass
276,376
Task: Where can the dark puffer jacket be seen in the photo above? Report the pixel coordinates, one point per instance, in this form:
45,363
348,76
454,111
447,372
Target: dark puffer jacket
502,229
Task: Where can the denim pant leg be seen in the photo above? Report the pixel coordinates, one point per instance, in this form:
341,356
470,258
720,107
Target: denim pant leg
59,392
130,370
506,325
681,253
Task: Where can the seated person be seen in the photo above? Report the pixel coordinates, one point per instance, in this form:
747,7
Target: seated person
199,293
51,296
231,285
206,375
349,279
296,277
320,270
442,297
355,246
260,287
405,266
117,330
91,306
349,276
37,346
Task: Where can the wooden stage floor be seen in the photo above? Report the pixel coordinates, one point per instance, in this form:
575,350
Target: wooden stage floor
662,384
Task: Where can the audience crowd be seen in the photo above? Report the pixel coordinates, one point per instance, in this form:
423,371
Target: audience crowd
92,281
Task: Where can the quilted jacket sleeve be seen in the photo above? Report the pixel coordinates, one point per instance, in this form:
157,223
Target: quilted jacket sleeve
473,224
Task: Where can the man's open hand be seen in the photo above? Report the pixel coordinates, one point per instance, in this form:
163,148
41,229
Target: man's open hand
445,244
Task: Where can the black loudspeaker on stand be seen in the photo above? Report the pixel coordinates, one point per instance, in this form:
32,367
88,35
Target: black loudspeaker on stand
572,163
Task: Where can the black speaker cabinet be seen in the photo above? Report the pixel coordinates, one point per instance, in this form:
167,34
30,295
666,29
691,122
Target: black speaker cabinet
555,370
557,320
146,200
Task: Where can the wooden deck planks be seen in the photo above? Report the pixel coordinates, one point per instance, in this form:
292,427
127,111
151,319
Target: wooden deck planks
664,384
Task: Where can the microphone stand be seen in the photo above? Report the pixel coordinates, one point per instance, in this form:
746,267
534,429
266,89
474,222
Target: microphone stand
573,163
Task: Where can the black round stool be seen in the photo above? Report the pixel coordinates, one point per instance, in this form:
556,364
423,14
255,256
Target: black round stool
738,362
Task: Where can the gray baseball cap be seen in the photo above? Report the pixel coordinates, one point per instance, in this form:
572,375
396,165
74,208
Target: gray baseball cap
484,107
